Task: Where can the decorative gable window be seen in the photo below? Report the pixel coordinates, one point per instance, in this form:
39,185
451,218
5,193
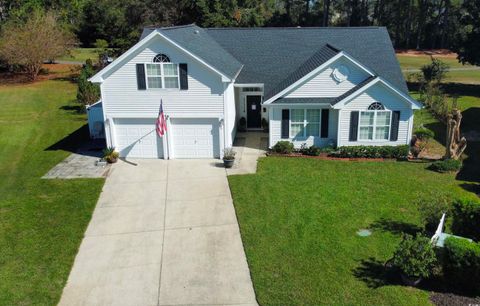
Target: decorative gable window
374,123
162,73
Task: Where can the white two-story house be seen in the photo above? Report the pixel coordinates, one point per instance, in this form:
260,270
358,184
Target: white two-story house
319,86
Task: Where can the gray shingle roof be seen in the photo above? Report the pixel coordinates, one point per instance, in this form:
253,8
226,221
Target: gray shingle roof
353,89
304,100
197,41
321,56
271,55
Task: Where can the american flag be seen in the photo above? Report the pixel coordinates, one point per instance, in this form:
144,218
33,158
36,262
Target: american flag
161,124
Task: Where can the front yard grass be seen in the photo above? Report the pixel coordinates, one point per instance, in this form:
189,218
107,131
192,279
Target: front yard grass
41,221
299,217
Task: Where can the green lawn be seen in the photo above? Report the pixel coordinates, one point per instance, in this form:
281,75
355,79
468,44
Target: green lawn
299,217
41,221
81,55
454,76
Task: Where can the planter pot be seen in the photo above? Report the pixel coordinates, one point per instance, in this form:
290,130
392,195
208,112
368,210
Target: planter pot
228,163
111,160
407,280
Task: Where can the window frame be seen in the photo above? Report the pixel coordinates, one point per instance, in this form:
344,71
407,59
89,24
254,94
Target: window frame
162,75
305,123
374,125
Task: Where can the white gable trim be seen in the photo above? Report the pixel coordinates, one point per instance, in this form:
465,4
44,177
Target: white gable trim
98,78
341,54
415,104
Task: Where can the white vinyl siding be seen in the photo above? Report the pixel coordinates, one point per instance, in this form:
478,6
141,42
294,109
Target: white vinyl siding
391,102
204,96
324,85
275,113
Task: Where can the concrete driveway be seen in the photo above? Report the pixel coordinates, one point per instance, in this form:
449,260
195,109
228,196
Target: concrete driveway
163,233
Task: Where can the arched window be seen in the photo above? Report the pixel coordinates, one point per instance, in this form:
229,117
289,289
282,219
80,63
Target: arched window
162,73
374,123
161,58
376,106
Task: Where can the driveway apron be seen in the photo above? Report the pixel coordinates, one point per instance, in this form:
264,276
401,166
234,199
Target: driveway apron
163,233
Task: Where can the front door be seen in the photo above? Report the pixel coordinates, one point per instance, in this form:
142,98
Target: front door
254,114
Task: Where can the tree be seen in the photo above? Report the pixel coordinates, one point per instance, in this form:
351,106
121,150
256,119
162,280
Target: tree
455,144
468,42
87,93
28,44
435,71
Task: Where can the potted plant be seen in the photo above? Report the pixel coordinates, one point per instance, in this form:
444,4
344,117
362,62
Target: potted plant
110,155
242,125
228,157
265,125
415,258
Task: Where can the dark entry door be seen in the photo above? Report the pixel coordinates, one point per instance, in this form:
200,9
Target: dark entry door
254,112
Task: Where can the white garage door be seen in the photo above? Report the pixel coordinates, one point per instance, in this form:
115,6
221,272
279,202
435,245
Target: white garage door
195,138
137,138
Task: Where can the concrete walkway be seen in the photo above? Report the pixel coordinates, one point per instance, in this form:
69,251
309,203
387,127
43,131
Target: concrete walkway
249,147
163,233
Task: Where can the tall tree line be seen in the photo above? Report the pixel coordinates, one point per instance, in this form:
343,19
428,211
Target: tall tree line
412,23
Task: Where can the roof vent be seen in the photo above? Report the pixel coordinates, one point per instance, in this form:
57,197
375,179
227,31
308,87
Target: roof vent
196,32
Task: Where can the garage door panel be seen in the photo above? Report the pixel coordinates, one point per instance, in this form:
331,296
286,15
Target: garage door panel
137,138
195,138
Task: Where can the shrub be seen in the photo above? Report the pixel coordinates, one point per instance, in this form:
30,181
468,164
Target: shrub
229,154
242,124
424,134
283,147
415,256
446,165
432,207
466,218
312,151
264,124
372,151
461,264
110,155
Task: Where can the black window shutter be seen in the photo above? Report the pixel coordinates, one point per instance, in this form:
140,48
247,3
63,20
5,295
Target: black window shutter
183,76
395,124
324,130
353,126
141,85
285,123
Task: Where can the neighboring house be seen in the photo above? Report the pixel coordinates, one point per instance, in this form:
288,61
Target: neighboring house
319,86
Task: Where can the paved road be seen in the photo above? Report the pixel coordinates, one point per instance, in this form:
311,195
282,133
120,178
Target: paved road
163,233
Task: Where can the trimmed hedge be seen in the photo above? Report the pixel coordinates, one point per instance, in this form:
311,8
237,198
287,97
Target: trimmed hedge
462,264
446,165
424,134
372,152
311,151
466,219
283,147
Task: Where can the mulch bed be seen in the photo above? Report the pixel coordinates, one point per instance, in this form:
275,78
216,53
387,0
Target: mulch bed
55,71
450,299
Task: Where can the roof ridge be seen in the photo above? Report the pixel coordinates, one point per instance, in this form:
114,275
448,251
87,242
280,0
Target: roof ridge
176,27
318,58
354,89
